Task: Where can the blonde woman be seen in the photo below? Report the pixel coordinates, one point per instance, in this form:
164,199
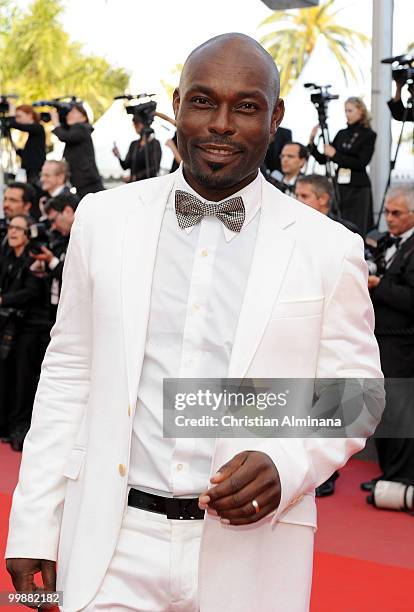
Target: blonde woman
352,150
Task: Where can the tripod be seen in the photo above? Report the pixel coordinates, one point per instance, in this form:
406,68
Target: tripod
7,154
409,111
322,109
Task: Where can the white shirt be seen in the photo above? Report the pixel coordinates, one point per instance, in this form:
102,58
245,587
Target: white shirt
391,252
198,286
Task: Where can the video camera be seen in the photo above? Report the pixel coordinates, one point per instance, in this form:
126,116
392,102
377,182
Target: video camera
321,97
5,104
145,112
376,243
63,105
403,68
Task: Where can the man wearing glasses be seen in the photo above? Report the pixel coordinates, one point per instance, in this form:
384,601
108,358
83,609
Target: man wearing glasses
393,299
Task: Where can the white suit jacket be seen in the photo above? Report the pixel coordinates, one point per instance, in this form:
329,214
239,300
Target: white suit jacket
306,313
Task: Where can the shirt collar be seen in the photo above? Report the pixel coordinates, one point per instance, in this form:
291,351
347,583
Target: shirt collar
405,235
251,194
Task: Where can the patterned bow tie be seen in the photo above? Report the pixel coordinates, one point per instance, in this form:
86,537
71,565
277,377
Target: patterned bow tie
190,210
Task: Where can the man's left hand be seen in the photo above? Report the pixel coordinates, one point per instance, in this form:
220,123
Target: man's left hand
250,475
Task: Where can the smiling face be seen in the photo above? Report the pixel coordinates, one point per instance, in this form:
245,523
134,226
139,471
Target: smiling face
226,110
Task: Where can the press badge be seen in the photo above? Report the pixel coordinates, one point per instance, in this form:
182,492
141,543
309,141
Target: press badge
344,176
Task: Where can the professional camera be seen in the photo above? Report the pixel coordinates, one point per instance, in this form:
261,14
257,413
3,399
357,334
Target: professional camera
392,496
376,243
63,105
403,68
145,112
321,96
38,237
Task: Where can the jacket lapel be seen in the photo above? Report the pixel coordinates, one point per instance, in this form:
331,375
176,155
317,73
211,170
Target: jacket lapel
142,229
271,257
403,252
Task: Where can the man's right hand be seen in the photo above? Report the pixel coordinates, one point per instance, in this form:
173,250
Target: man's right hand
22,572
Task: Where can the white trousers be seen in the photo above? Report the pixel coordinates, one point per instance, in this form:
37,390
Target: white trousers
155,566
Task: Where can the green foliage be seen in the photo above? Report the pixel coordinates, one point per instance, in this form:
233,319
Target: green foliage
293,38
38,60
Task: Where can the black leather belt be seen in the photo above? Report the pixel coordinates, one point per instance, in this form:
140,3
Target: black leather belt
172,507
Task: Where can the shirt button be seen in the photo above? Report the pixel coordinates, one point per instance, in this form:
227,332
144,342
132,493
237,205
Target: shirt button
204,253
121,469
129,411
179,466
196,306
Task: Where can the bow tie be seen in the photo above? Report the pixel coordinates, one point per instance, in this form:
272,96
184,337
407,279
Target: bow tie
395,240
190,210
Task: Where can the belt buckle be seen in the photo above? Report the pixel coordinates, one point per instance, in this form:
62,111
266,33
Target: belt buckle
178,509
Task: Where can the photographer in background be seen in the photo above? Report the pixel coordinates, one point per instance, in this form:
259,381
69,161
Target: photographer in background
145,150
25,119
352,150
392,295
18,199
24,328
316,191
293,159
79,152
398,111
272,160
60,212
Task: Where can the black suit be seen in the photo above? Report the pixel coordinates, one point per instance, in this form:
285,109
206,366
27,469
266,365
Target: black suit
272,160
33,155
393,301
80,155
19,371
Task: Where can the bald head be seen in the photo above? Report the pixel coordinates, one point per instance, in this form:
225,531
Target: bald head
238,47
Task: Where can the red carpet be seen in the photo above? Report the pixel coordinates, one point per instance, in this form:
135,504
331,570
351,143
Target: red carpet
364,559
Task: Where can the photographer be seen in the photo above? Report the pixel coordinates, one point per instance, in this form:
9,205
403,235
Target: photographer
79,151
61,215
33,155
24,331
398,111
392,295
142,152
352,150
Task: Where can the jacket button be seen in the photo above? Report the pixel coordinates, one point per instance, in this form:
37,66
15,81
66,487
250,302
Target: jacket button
129,411
122,469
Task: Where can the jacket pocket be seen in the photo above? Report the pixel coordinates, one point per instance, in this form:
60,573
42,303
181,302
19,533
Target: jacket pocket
303,308
74,463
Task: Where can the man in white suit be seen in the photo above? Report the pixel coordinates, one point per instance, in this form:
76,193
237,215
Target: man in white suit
208,272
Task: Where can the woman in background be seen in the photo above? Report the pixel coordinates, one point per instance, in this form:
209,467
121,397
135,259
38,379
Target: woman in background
33,154
352,150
